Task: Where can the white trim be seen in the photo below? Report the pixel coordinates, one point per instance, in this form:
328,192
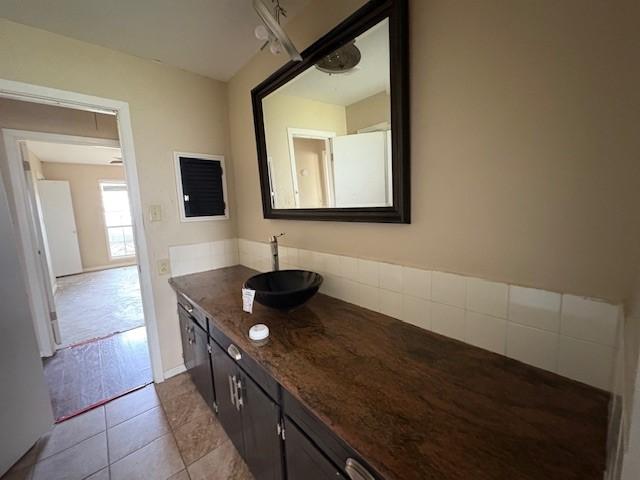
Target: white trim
51,96
99,268
316,135
203,156
377,127
28,246
172,372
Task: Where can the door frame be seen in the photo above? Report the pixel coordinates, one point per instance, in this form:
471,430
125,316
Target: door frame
326,135
51,96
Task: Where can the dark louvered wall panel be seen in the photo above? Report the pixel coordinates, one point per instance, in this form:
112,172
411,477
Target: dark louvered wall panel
202,183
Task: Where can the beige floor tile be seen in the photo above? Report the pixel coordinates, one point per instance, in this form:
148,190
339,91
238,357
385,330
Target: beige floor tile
199,436
184,408
130,405
158,461
175,386
24,473
101,475
223,463
71,432
135,433
183,475
75,463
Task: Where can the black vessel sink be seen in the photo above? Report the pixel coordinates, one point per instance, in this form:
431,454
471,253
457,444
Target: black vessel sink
284,289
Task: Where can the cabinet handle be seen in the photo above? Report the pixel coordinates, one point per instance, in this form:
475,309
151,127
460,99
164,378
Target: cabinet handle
188,307
231,384
355,470
234,352
239,400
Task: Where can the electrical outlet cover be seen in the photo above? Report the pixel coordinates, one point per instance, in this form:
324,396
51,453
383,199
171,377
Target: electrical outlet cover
163,267
155,213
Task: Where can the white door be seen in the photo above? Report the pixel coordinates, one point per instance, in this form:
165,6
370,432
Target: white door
25,408
60,226
360,168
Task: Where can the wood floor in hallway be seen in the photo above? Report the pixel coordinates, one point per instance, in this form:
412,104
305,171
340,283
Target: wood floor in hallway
91,373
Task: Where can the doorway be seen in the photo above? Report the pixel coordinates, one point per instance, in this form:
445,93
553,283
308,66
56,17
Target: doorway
76,199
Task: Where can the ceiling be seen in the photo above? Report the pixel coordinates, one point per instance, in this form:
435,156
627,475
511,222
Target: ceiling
370,76
211,37
66,153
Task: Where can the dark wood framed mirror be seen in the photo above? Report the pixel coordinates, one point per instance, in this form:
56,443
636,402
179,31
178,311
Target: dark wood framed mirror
332,131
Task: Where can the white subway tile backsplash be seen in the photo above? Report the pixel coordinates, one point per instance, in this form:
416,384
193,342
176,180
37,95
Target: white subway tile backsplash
391,277
486,332
368,272
391,303
216,248
416,282
366,296
230,246
533,346
186,259
486,297
448,320
535,308
304,259
589,319
570,335
586,362
416,311
449,289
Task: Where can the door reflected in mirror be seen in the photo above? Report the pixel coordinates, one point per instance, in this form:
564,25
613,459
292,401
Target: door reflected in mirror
328,130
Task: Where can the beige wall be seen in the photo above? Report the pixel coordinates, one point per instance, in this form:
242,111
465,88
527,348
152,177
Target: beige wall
170,110
84,181
370,111
285,111
524,144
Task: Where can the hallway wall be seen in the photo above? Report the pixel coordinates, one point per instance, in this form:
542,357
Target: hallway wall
84,181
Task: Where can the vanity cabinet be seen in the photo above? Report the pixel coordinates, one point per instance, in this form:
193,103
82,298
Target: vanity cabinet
195,351
273,432
248,415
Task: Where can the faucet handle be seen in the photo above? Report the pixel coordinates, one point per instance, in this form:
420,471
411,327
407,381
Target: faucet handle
274,238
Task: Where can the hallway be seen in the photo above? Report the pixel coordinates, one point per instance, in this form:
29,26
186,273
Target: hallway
91,373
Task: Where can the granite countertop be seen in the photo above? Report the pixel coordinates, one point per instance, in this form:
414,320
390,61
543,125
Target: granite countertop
414,404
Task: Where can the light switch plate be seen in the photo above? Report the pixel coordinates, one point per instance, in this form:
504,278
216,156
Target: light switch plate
155,213
163,267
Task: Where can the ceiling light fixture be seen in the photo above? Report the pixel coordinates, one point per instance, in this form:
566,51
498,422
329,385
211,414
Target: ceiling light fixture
271,32
343,60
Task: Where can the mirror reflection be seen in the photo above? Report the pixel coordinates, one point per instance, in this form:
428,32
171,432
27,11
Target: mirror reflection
328,131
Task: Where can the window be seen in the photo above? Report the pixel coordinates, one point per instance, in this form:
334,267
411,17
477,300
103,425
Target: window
202,191
117,219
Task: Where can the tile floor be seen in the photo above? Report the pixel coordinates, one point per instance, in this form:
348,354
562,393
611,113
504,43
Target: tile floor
160,432
96,304
93,372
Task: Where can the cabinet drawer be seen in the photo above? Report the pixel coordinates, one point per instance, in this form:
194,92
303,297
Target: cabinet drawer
255,371
193,310
304,459
332,446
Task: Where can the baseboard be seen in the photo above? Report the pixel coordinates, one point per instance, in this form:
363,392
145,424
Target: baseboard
107,267
172,372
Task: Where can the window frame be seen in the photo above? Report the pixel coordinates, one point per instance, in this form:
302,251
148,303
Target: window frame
200,156
104,220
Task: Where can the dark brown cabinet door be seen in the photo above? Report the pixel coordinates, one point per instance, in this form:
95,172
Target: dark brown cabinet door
201,366
186,335
304,460
225,373
263,446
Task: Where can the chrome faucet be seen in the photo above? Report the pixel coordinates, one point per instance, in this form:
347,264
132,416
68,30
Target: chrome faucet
273,241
